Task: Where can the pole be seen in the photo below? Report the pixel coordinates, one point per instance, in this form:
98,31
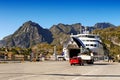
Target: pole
55,55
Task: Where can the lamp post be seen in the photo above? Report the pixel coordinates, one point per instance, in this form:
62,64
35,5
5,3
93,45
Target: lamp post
55,55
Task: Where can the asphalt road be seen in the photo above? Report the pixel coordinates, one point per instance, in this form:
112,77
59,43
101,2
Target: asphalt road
59,70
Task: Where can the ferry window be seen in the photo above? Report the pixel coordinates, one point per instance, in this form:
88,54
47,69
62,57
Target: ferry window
95,45
84,35
87,40
92,40
98,36
83,40
90,36
87,44
91,44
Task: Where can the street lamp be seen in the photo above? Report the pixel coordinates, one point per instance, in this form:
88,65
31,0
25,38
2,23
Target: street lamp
55,55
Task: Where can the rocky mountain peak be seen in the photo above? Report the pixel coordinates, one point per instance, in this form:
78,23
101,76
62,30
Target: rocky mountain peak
30,23
30,33
103,25
28,27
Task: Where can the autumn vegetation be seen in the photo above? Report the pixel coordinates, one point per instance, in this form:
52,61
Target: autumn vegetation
111,40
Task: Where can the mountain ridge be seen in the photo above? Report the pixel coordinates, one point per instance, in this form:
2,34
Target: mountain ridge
31,33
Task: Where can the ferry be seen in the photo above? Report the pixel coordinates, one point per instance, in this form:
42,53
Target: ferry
91,41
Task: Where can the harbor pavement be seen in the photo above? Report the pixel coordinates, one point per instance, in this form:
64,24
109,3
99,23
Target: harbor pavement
59,70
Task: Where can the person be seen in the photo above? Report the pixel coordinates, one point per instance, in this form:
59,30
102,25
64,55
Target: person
5,56
31,56
91,54
62,53
110,59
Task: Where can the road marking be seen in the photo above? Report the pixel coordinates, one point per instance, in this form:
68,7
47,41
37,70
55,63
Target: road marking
21,77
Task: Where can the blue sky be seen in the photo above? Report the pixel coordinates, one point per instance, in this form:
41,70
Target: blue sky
13,13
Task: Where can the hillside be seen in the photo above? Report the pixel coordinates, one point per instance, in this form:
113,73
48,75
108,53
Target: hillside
111,39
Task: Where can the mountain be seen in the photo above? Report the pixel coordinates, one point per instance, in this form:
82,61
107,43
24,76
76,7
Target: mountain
30,33
61,32
67,29
103,25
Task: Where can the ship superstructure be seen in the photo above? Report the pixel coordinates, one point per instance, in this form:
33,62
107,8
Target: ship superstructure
91,41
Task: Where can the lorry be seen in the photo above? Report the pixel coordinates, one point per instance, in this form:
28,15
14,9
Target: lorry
80,54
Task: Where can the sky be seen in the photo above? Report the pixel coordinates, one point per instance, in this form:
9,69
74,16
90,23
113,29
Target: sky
13,13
